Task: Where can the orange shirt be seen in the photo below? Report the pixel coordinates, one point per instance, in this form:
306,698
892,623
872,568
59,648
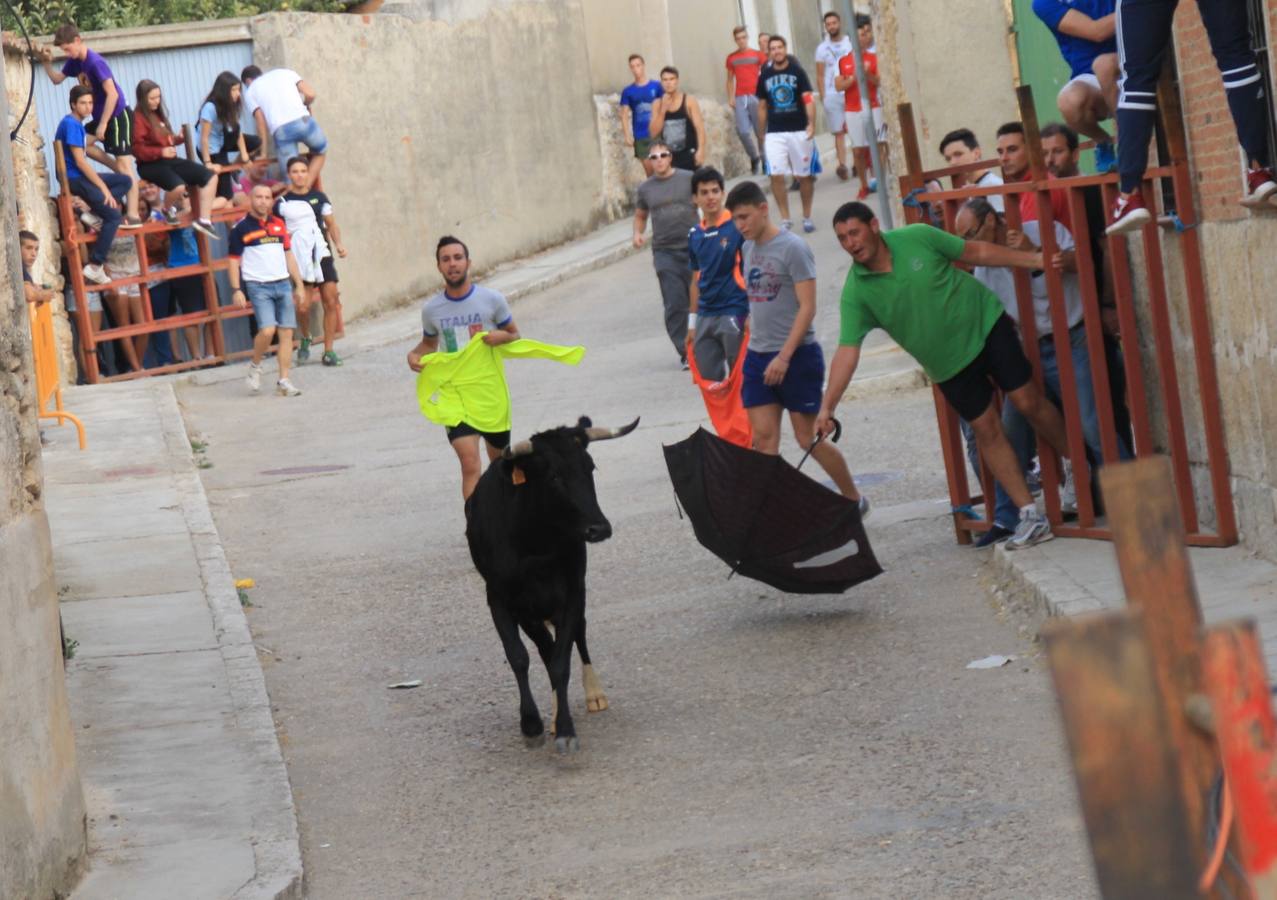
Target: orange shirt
847,69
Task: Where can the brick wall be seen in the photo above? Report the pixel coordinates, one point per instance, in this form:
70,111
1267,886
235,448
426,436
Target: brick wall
1216,160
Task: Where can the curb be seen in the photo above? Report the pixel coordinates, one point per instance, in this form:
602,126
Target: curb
1028,578
275,838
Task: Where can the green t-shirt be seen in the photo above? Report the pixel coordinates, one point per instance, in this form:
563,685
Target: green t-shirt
939,314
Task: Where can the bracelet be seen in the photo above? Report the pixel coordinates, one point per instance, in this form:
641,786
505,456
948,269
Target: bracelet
691,320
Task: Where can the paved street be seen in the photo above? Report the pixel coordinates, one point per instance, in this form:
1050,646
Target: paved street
757,744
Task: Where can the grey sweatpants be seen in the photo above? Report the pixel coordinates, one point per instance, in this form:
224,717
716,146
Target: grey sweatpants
675,278
747,124
717,344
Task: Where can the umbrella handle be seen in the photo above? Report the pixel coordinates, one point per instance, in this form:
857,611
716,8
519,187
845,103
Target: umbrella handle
820,437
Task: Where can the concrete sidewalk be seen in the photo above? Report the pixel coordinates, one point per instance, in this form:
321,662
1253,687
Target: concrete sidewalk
185,784
1068,577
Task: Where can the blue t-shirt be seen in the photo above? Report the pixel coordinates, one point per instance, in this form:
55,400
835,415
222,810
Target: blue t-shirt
1078,52
71,133
639,98
217,133
182,249
714,252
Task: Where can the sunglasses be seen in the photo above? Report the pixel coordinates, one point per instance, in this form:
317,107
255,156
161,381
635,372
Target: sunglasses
658,156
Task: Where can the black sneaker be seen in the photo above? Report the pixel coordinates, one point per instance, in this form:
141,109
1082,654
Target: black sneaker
995,535
753,167
683,363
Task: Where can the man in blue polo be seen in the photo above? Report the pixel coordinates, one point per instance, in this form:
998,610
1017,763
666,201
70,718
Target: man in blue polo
636,110
718,304
1084,30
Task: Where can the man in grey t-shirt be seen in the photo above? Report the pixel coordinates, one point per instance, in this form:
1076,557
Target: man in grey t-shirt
449,320
666,198
784,368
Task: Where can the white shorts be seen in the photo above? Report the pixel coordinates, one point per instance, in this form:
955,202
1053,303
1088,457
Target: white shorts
1086,78
834,106
856,127
790,153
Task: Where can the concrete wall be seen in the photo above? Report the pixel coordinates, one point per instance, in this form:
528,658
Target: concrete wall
42,831
504,156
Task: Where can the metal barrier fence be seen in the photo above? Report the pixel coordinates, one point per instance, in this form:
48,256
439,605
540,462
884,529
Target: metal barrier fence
1118,268
215,314
48,382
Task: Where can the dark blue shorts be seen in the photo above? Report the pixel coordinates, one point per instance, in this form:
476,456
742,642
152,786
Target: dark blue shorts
802,388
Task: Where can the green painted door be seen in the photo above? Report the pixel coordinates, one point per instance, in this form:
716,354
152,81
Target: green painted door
1041,66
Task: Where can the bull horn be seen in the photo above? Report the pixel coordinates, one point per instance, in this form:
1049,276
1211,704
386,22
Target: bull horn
523,448
606,434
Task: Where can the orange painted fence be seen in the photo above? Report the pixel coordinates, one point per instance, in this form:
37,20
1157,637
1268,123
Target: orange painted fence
48,382
1165,375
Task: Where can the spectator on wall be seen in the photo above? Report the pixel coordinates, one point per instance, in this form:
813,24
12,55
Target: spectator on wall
1084,30
280,102
155,145
676,117
220,134
637,101
743,66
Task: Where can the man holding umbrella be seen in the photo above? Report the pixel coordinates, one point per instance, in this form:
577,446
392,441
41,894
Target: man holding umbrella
904,282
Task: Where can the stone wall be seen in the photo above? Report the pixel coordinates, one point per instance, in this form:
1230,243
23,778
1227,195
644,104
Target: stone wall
36,212
42,829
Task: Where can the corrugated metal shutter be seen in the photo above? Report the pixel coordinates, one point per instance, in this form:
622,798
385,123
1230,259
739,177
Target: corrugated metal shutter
185,74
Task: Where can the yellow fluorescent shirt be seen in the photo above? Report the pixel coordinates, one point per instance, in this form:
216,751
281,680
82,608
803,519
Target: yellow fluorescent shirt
469,385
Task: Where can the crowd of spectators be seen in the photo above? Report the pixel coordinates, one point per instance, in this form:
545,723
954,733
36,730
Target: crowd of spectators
130,168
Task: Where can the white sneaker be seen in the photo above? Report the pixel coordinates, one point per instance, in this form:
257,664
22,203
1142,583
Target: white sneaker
90,220
1068,492
96,273
865,508
254,377
1031,529
786,225
286,388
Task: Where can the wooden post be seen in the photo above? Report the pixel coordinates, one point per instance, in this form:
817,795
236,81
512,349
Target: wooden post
1124,757
1237,683
912,179
1148,535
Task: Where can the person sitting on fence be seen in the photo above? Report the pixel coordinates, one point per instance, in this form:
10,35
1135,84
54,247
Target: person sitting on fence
155,145
280,102
220,134
112,122
29,244
309,217
103,191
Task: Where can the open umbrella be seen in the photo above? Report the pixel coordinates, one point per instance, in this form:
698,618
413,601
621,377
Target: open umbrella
767,520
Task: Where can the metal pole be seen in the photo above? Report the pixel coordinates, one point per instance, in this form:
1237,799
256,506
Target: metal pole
884,204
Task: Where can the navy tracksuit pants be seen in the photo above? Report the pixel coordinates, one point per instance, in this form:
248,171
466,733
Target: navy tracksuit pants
1143,37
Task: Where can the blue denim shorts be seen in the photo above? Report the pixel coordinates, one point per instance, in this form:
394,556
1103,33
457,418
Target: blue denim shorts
299,131
802,388
272,303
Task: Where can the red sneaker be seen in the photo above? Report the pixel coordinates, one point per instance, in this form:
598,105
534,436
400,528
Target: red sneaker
864,192
1128,214
1260,188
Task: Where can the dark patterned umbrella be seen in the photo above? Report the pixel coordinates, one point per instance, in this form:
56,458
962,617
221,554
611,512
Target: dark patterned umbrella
767,520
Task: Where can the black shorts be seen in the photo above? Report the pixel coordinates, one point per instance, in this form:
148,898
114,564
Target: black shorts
498,439
328,270
1001,362
118,140
188,294
226,181
168,174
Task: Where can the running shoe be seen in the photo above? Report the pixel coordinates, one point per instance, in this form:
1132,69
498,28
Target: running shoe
754,166
1032,529
1105,158
1260,188
842,172
96,273
809,226
863,193
787,225
330,358
254,377
793,185
1068,492
682,361
1128,213
205,226
285,388
172,216
90,220
303,352
873,185
131,222
995,535
864,507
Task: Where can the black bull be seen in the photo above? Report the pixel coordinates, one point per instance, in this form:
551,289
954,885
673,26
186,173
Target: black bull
527,523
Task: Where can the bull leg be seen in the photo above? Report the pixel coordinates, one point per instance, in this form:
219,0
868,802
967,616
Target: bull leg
595,699
529,717
541,635
565,740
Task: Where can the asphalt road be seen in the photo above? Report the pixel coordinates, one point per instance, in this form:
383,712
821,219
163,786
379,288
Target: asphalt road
757,744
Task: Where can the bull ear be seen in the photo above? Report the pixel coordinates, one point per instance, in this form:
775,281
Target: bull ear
605,434
584,422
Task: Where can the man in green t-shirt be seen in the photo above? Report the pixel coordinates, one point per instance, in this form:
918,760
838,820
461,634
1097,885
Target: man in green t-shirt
904,282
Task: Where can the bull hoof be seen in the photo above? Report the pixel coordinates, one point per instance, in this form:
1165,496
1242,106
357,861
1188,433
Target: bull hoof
532,741
596,702
595,699
566,745
533,727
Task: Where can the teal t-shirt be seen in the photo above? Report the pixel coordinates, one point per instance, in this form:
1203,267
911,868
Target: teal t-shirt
939,314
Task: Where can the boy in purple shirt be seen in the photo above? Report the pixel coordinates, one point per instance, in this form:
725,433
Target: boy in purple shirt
112,122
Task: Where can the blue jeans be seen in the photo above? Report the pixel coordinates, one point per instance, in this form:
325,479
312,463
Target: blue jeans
119,186
299,131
